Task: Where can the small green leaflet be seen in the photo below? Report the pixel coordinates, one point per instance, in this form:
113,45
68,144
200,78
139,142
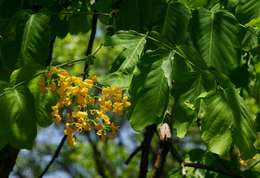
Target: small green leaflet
133,46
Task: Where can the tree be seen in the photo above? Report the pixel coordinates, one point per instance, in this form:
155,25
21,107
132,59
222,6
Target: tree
187,65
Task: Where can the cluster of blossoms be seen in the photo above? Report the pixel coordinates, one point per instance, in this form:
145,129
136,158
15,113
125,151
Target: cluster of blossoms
82,105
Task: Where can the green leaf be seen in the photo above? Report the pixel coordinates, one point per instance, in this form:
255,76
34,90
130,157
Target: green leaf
133,43
18,117
141,15
36,39
247,10
244,136
217,123
250,40
3,130
185,109
118,78
215,34
176,23
227,118
200,3
255,23
25,73
43,103
79,24
149,90
133,46
10,43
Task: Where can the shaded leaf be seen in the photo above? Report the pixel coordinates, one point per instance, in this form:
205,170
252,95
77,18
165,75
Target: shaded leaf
185,109
216,123
18,116
36,39
25,73
227,118
215,34
176,23
247,10
43,103
149,90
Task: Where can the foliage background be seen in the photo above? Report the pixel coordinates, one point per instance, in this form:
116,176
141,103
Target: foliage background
196,60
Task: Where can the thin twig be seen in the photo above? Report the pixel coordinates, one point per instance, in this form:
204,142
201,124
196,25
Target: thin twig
206,167
137,149
55,155
84,59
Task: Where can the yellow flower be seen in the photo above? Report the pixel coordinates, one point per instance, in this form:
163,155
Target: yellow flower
86,108
55,113
71,140
88,83
118,107
243,163
105,118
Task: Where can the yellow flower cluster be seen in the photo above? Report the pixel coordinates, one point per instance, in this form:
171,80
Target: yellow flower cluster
82,105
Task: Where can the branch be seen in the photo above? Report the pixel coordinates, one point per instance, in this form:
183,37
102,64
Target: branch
91,41
55,155
206,167
148,135
8,156
137,149
184,164
164,148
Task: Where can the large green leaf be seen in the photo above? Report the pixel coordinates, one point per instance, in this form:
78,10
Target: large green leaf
36,39
226,118
10,43
132,45
18,124
217,121
247,10
243,135
215,34
176,23
149,91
